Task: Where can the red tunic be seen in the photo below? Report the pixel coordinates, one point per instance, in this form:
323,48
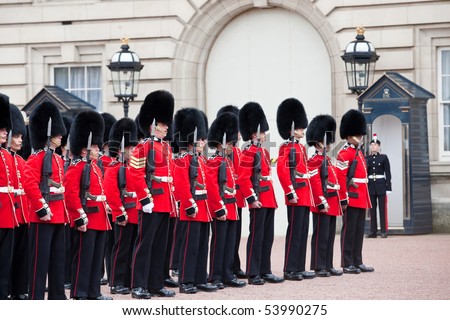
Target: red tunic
240,200
314,165
112,192
105,162
98,220
7,216
357,197
33,173
215,201
22,210
303,192
164,201
267,198
183,192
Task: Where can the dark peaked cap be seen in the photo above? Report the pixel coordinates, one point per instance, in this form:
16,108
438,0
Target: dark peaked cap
317,128
5,112
38,124
158,105
290,110
126,128
227,123
18,124
84,123
353,123
185,122
250,116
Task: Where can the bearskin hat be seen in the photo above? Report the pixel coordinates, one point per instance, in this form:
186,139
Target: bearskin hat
318,127
375,139
109,121
38,124
290,110
68,119
140,134
205,119
227,123
126,128
158,105
25,151
185,122
250,116
5,112
18,123
228,108
353,123
83,124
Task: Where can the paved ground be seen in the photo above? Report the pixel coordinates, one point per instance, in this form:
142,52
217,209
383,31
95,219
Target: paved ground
406,268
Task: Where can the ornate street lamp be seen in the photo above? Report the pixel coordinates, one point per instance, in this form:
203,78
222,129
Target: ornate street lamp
360,58
125,69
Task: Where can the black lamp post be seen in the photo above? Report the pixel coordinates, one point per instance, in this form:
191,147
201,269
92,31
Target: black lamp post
125,69
360,58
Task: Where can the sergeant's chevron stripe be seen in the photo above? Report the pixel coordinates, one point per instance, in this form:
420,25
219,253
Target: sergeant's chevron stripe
137,163
313,172
342,165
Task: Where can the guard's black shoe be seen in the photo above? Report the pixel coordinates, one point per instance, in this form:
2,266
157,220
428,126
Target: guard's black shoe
293,276
67,286
219,284
363,268
351,269
188,288
162,293
22,296
384,235
371,235
335,272
308,274
323,273
256,280
100,298
103,281
235,283
241,274
140,293
270,277
207,287
120,290
175,272
169,282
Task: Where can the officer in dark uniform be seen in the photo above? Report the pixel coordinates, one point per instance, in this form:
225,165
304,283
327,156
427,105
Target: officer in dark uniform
379,174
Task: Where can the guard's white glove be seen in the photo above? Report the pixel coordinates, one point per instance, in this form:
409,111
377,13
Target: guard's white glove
148,207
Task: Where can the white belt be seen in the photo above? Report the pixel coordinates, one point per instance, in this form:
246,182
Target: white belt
9,189
265,178
359,180
377,176
230,193
200,192
334,187
57,190
19,192
131,194
163,179
303,175
97,198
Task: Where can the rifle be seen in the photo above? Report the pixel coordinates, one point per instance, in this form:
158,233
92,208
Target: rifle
45,182
150,168
193,169
122,178
223,171
292,162
66,157
8,146
324,168
352,169
257,164
86,176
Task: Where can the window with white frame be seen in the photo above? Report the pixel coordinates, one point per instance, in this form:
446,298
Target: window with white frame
82,81
444,100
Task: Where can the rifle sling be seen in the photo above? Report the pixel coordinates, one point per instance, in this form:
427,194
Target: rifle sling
298,185
91,209
353,194
229,200
156,192
264,188
200,197
129,205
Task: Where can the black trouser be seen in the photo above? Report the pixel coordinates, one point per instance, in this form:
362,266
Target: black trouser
322,241
19,264
89,248
6,247
237,260
109,243
46,248
173,221
381,199
260,240
221,256
352,236
122,253
296,238
176,245
68,240
194,252
149,250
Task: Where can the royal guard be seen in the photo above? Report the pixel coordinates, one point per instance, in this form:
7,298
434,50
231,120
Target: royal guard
8,219
294,176
19,266
87,206
151,170
191,190
353,192
119,190
379,173
325,187
255,181
222,137
240,200
44,173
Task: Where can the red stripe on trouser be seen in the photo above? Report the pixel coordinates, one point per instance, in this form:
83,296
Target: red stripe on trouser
137,248
185,249
113,267
317,240
36,240
249,259
290,238
78,266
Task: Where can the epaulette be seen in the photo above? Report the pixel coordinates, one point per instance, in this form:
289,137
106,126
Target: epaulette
35,152
182,155
345,147
212,157
75,162
113,163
